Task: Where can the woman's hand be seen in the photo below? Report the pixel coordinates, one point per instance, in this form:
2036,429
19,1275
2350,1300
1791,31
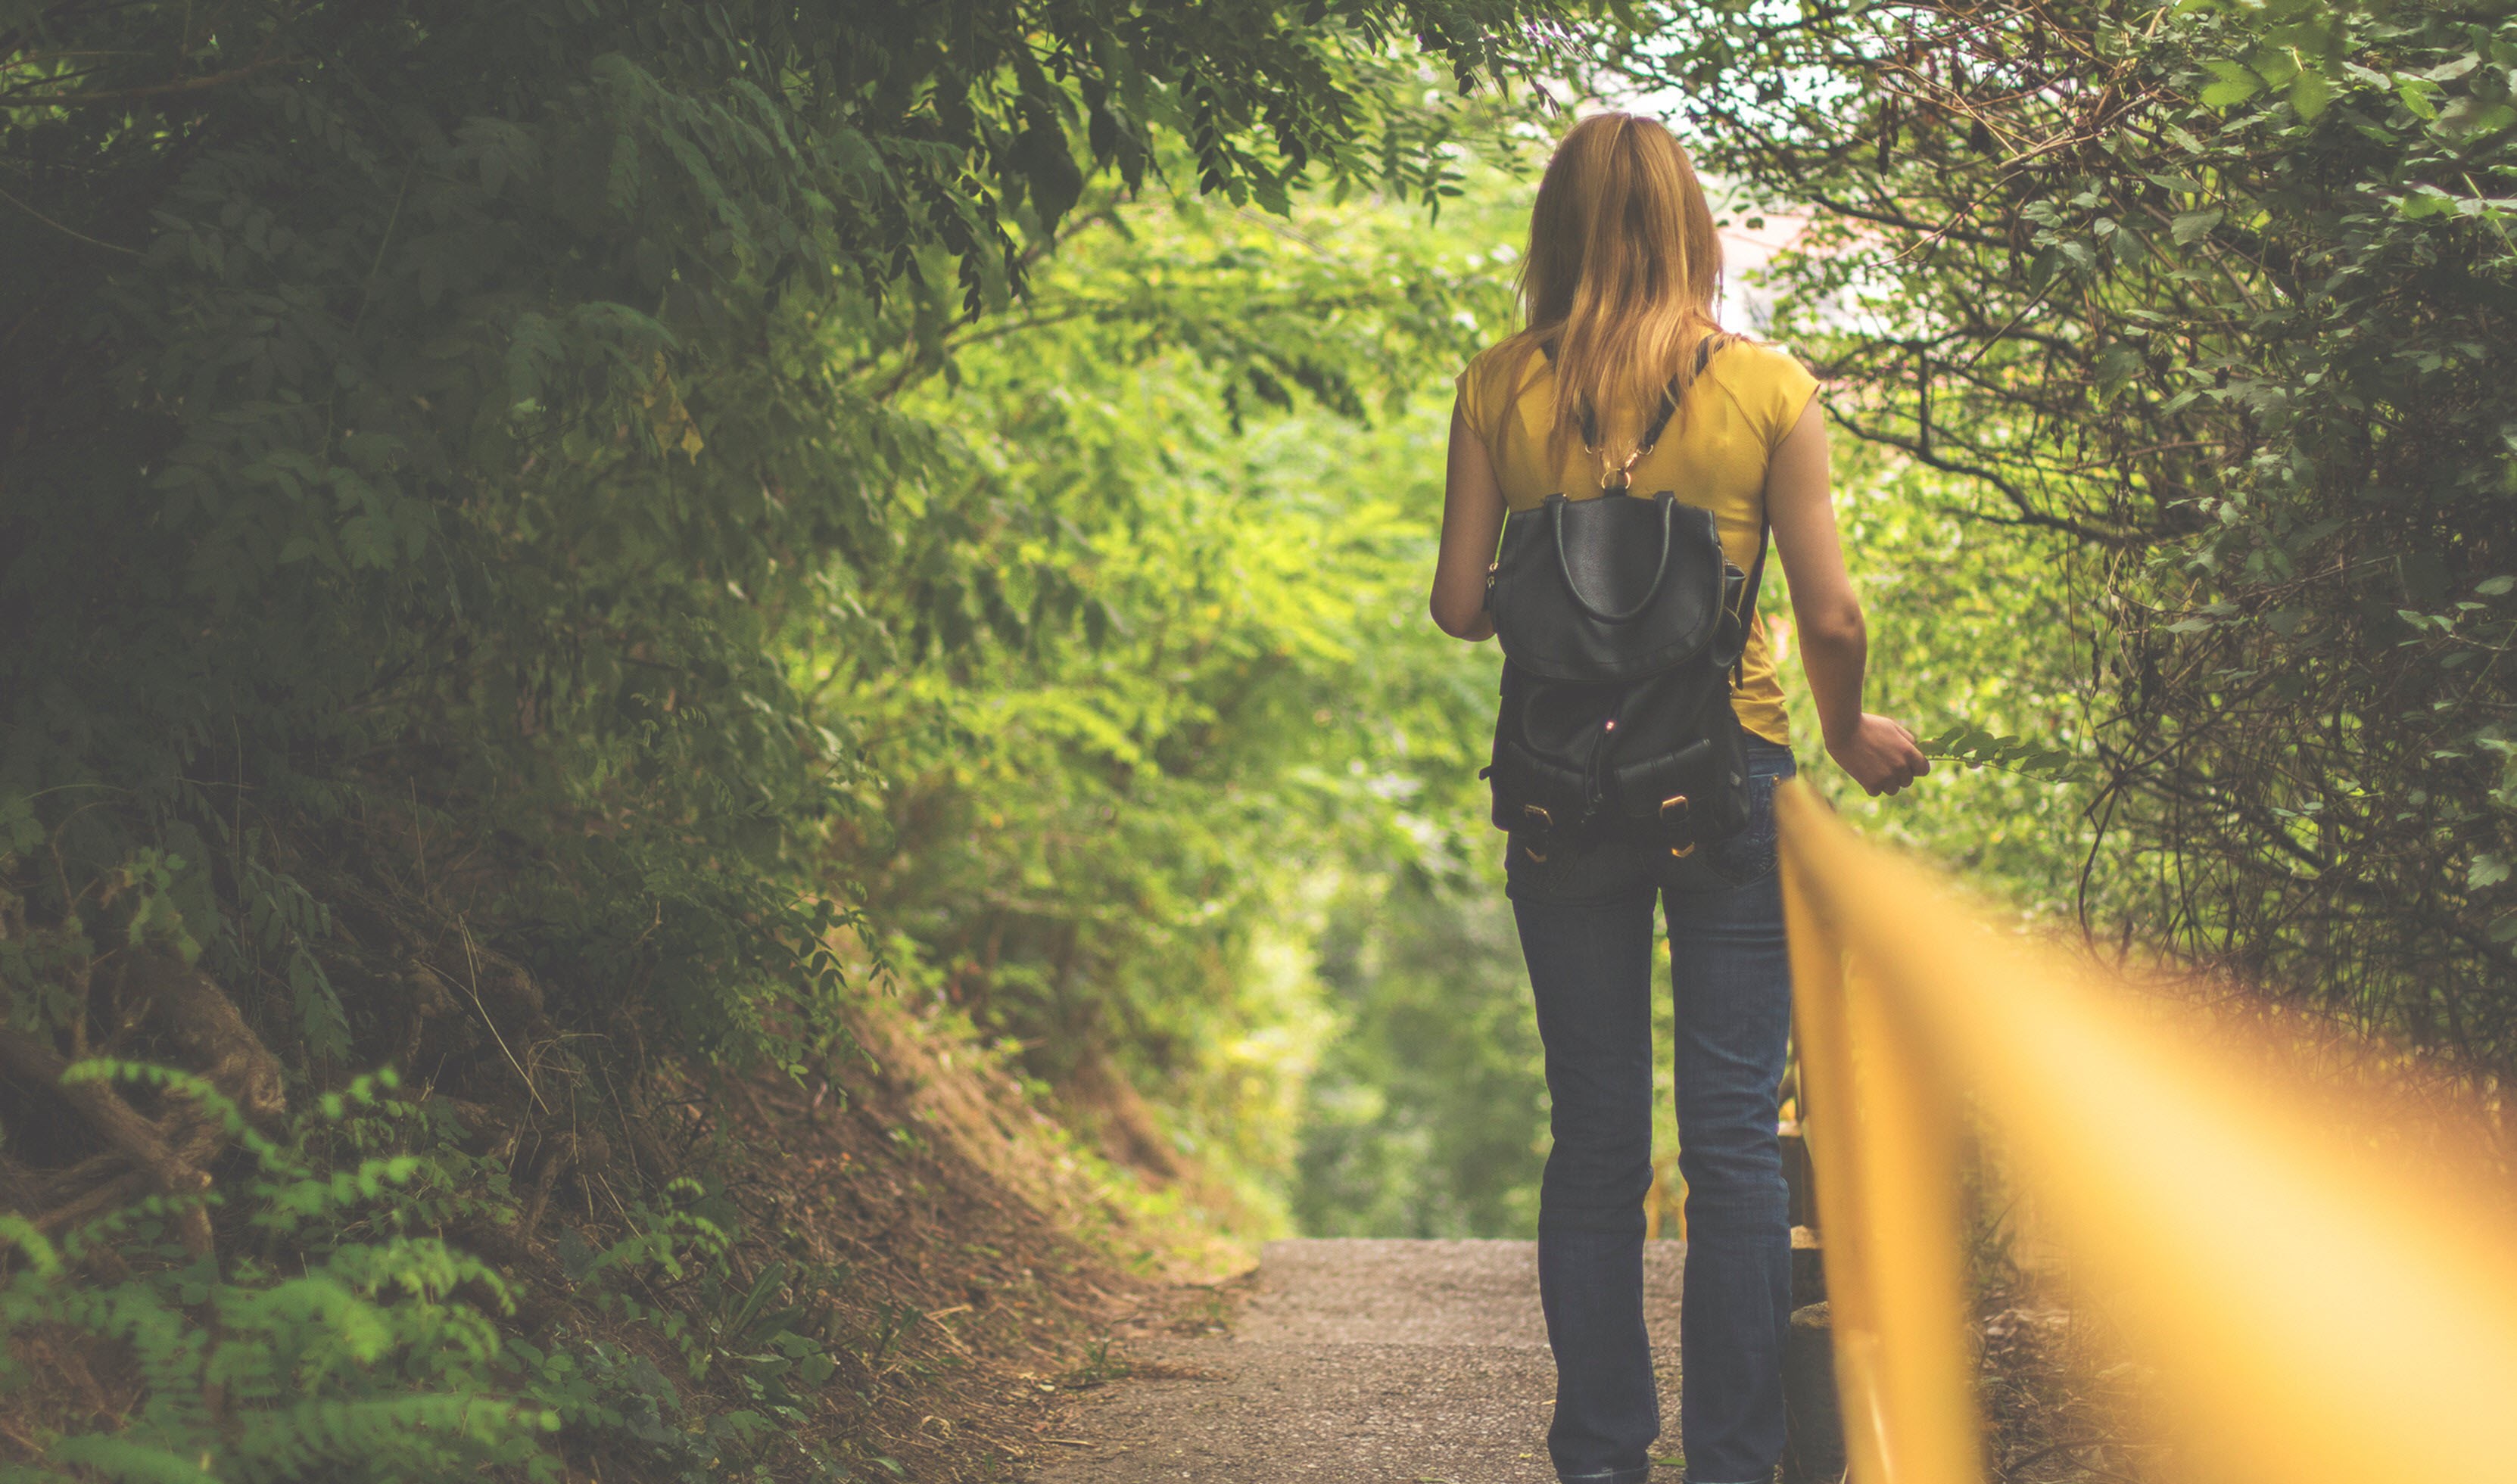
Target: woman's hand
1880,754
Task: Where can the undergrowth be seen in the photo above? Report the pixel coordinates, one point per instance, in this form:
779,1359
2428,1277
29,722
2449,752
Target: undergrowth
478,571
339,1337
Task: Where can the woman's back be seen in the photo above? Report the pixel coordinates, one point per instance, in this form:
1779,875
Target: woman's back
1713,455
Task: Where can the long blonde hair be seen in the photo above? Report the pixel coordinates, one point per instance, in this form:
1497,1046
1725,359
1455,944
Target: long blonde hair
1620,278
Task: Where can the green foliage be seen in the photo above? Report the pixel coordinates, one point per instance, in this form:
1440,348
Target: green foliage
2212,294
1972,645
646,487
572,481
358,1359
1229,831
750,1334
1971,746
1208,436
1426,1115
444,416
349,1340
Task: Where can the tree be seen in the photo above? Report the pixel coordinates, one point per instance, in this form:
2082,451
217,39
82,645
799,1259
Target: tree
429,434
2208,293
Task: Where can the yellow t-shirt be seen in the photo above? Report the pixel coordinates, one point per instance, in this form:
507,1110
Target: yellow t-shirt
1712,455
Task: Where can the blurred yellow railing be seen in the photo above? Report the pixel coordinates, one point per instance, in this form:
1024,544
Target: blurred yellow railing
2313,1309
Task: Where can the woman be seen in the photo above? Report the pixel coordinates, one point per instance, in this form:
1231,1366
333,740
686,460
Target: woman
1618,285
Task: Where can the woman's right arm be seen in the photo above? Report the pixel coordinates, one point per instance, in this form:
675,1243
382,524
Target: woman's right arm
1880,754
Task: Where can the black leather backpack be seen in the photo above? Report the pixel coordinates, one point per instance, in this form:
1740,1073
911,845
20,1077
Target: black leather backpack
1622,625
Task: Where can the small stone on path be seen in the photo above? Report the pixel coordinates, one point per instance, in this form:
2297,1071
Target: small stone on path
1361,1361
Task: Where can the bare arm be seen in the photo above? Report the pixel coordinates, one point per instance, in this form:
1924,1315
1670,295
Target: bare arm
1472,526
1879,754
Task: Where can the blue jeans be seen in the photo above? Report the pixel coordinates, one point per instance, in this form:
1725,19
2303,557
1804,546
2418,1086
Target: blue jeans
1586,931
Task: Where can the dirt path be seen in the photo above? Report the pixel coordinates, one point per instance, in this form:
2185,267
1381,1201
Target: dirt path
1364,1361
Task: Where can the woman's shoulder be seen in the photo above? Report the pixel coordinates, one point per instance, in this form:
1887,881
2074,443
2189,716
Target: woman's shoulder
1495,378
1510,356
1745,356
1768,381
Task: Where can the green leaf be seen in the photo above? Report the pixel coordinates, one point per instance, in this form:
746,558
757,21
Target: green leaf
1049,168
2188,226
2469,116
2448,71
138,1463
2236,83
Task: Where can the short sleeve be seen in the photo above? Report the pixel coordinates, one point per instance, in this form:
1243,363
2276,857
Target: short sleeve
1782,391
1477,383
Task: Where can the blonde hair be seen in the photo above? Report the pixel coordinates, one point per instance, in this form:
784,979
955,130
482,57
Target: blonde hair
1620,278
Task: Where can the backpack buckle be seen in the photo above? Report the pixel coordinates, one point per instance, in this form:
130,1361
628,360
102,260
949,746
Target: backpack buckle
1677,801
1546,821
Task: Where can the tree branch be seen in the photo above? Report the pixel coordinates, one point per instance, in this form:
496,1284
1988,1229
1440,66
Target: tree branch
90,96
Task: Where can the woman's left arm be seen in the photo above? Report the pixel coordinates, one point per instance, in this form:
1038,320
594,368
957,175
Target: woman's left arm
1471,529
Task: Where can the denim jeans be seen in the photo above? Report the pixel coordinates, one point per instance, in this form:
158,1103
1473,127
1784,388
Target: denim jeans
1586,931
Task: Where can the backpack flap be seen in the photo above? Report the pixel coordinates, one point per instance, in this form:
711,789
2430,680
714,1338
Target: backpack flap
1683,796
1533,794
1606,589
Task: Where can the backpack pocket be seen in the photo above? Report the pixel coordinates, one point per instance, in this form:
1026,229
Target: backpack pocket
1531,794
1685,797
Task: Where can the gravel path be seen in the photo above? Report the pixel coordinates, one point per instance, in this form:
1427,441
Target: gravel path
1364,1361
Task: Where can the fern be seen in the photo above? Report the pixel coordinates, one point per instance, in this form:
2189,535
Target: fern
381,1356
122,1458
1972,748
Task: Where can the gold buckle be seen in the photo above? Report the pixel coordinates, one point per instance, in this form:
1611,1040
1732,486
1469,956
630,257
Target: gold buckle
1680,855
1533,855
1546,821
1678,801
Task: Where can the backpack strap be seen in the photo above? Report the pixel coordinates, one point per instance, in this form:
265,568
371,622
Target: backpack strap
1704,349
1748,598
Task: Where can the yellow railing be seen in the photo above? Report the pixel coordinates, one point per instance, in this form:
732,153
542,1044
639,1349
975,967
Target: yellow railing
2314,1309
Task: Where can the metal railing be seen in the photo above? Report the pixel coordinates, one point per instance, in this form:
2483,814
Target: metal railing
2315,1305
